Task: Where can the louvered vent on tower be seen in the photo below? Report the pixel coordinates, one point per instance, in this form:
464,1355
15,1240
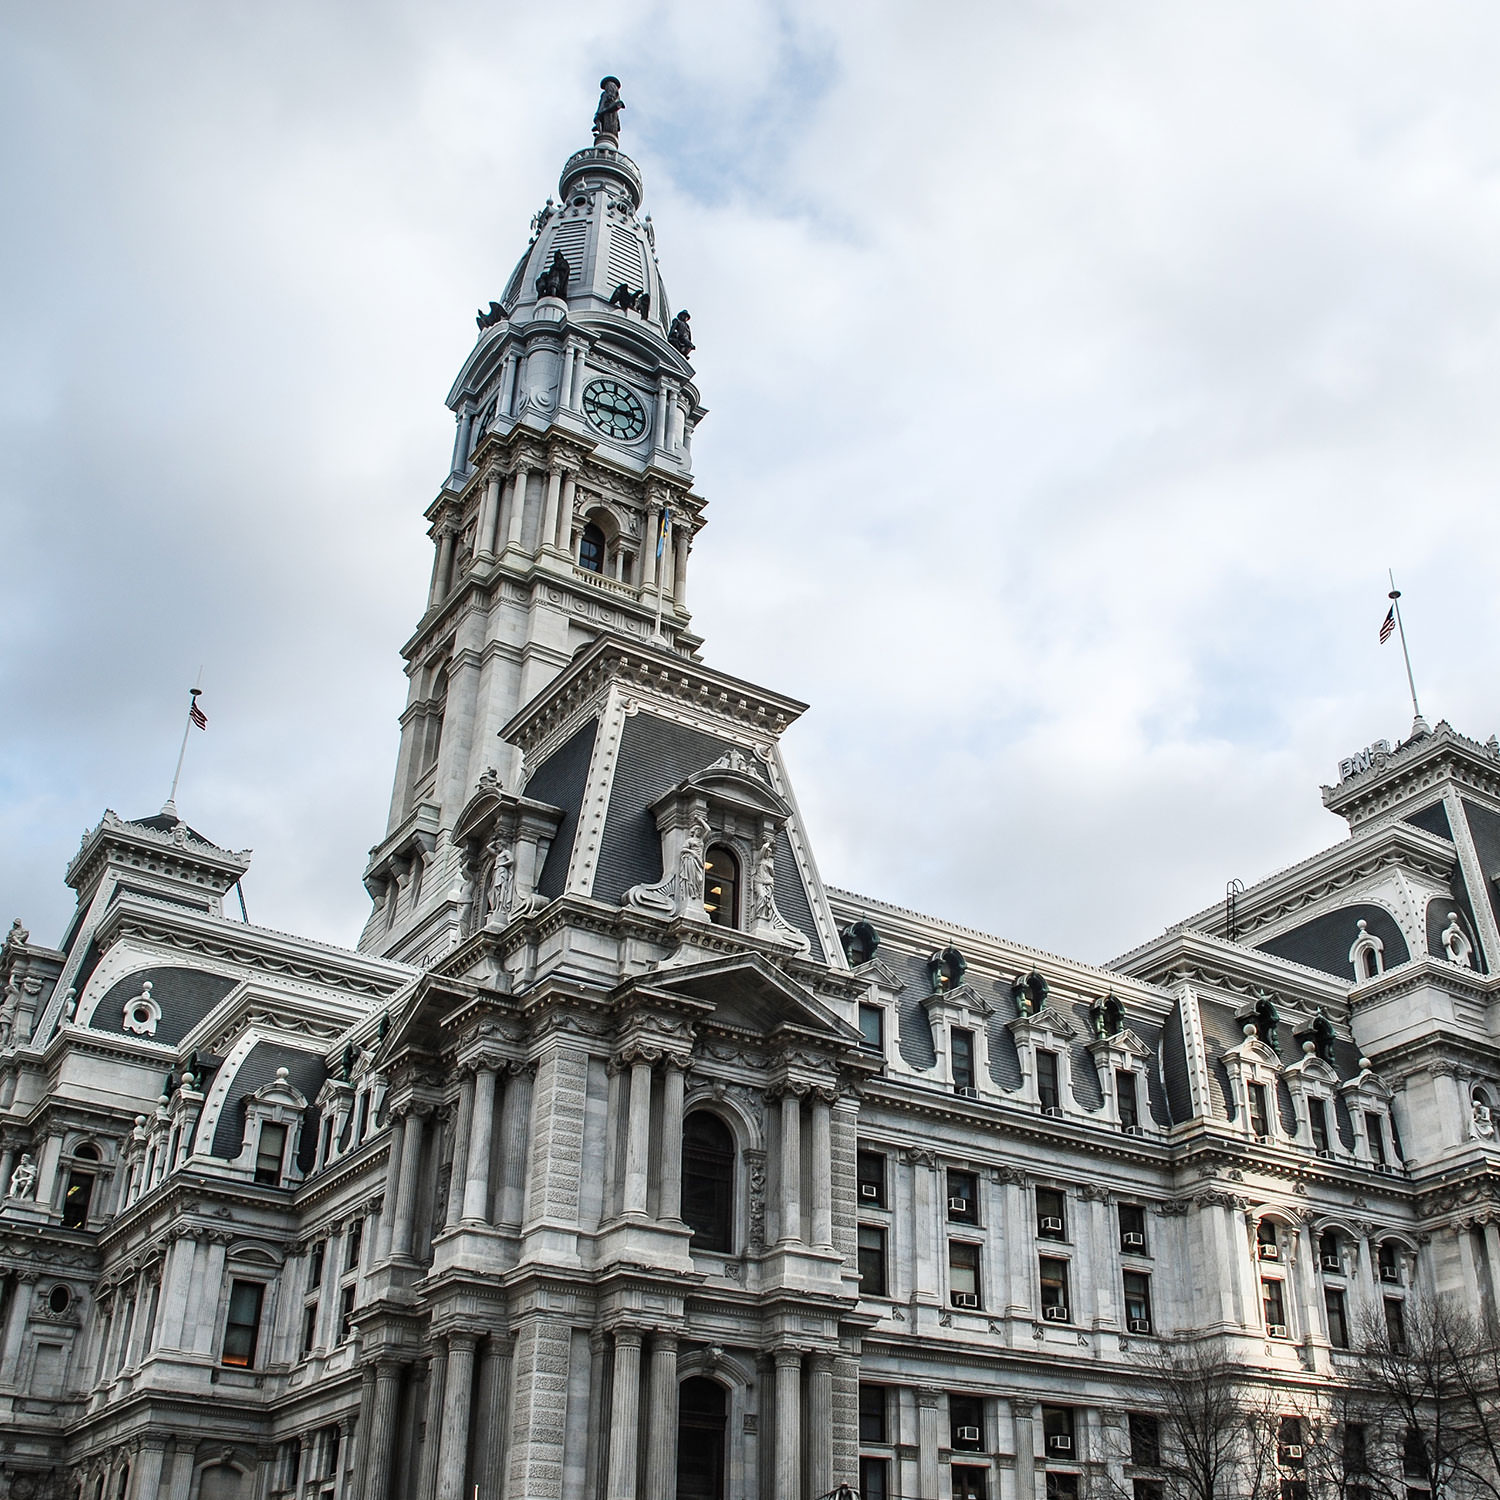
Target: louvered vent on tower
570,237
625,260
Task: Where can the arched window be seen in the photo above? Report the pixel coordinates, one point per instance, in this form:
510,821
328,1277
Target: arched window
86,1151
702,1415
708,1182
591,549
721,886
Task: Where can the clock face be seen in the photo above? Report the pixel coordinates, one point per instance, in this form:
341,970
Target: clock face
614,409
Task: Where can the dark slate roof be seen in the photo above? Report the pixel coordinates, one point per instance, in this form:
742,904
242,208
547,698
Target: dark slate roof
1087,1093
306,1072
185,997
1156,1095
914,1035
1431,819
1005,1058
1484,826
1438,908
1220,1032
655,754
1324,942
559,781
1174,1068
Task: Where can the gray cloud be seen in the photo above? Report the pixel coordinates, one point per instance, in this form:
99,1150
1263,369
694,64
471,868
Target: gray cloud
1075,374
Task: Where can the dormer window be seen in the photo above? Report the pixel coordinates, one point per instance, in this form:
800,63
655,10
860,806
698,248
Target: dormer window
721,886
1260,1120
269,1152
961,1049
1047,1092
591,548
1375,1133
1317,1119
1128,1099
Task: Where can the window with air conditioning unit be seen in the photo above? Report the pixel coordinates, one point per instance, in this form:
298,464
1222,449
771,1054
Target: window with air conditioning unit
1267,1246
965,1299
963,1196
1051,1216
968,1434
1137,1301
1048,1092
1055,1314
1132,1220
1132,1240
1060,1444
1276,1330
1054,1280
1058,1430
966,1421
965,1091
1331,1262
869,1171
963,1273
1139,1325
1051,1224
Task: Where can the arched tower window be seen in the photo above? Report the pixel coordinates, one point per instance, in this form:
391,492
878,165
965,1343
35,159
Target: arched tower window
708,1181
721,886
702,1416
591,548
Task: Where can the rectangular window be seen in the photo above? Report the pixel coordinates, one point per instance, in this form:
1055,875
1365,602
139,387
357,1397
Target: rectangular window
1385,1261
872,1414
961,1047
356,1242
1375,1132
1127,1099
346,1313
269,1153
364,1109
1260,1120
1290,1453
242,1326
1137,1302
1317,1119
872,1027
1054,1289
969,1483
1051,1214
309,1327
1146,1489
77,1197
1061,1486
315,1265
1395,1323
1414,1455
963,1197
1132,1229
1047,1093
1356,1449
1338,1323
1057,1433
1329,1256
871,1260
1145,1440
330,1445
875,1479
963,1274
869,1169
1274,1306
966,1423
1268,1247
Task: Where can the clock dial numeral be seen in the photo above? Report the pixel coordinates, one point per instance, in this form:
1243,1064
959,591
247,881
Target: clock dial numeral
614,409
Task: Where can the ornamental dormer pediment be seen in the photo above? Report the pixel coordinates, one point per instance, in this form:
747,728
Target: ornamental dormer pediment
881,974
1314,1069
1049,1021
965,998
1123,1044
1252,1051
734,782
1366,1086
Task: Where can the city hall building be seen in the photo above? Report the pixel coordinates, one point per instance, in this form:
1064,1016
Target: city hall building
626,1159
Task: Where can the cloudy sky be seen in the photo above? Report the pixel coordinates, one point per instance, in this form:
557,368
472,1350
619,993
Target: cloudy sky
1075,370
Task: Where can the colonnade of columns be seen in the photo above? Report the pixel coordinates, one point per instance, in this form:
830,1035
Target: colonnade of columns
639,1067
627,1476
815,1227
493,1097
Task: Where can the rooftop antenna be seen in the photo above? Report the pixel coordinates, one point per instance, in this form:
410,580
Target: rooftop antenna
1418,723
1232,893
195,716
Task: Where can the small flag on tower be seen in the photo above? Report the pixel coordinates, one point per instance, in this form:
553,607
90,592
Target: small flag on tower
1388,625
666,527
196,714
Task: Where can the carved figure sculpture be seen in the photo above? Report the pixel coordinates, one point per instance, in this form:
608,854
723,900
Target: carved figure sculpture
1322,1029
489,781
553,282
623,297
946,969
17,936
1267,1019
1456,945
690,872
860,941
607,115
680,334
1114,1015
763,886
1482,1126
540,217
502,889
23,1179
496,314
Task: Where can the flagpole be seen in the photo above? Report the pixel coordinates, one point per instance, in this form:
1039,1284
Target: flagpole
661,557
1418,722
193,696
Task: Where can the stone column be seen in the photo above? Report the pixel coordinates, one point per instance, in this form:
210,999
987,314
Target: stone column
789,1424
679,574
822,1183
489,514
440,566
517,506
377,1482
406,1192
791,1167
477,1179
432,1423
565,514
670,1204
548,531
625,1415
1309,1291
593,1483
820,1421
661,1450
1023,1415
146,1471
457,1175
362,1429
494,1393
648,557
507,400
929,1439
397,1138
459,1386
515,1132
638,1143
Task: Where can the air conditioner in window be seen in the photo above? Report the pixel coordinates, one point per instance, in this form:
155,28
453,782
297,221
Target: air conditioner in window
1332,1263
1384,1166
1276,1330
1051,1226
1291,1450
1140,1325
1132,1239
967,1435
1270,1252
1325,1154
868,1190
965,1091
958,1205
1391,1274
965,1299
1052,1109
1055,1314
1131,1130
1060,1443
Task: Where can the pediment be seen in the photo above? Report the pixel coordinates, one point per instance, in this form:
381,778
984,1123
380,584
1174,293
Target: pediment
1315,1067
1049,1019
882,973
731,781
420,1028
965,997
1124,1040
748,992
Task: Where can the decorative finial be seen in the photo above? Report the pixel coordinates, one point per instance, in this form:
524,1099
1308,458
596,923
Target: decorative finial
607,116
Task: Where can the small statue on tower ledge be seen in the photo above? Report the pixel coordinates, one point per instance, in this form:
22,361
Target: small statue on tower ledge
607,116
680,335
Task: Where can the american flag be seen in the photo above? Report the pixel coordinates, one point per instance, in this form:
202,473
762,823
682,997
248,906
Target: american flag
200,719
1388,625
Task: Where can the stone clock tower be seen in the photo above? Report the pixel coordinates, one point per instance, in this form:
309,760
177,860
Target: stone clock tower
568,514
